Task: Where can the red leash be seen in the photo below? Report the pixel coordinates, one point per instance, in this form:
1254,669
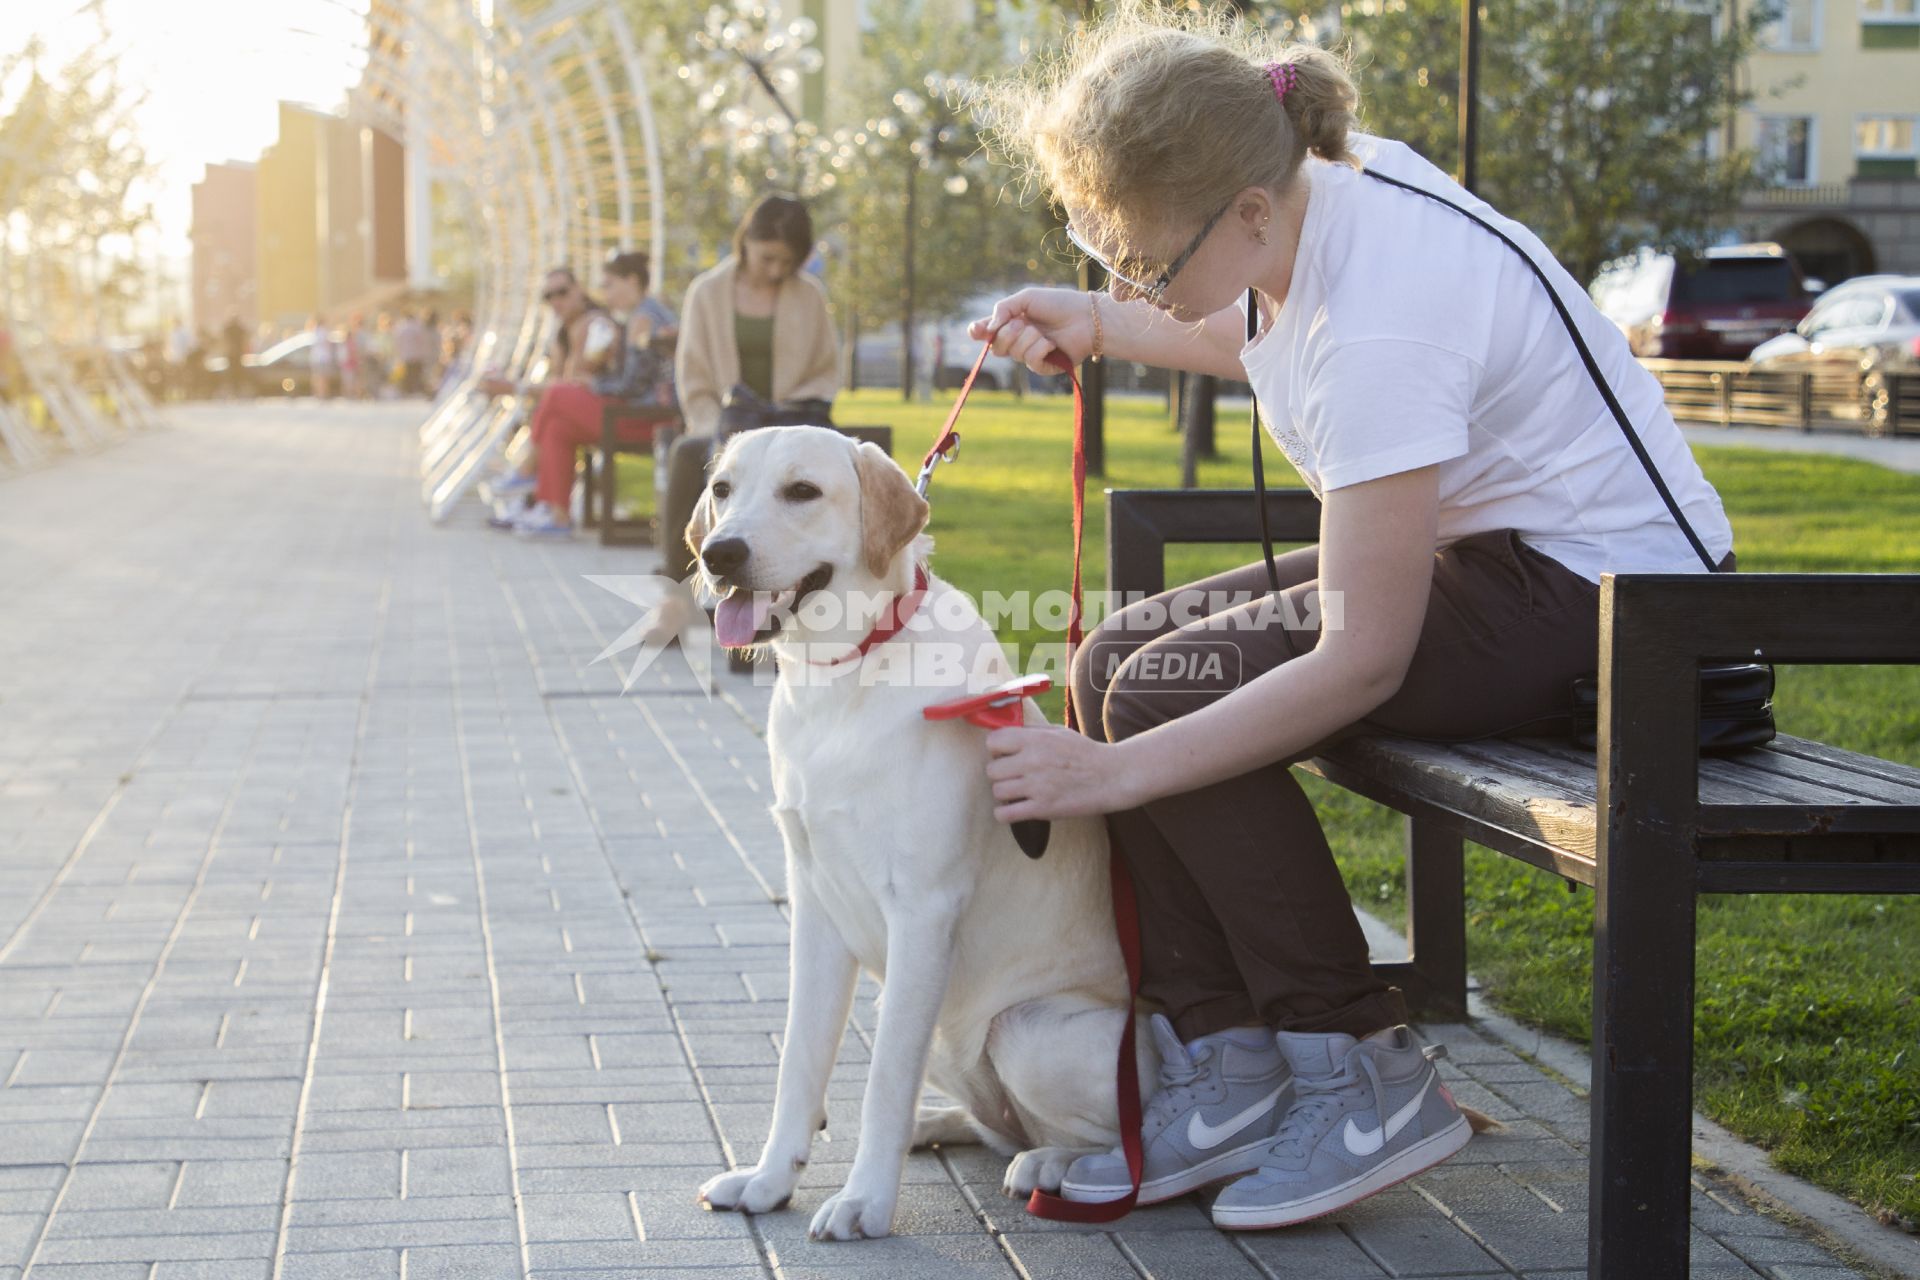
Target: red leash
1126,918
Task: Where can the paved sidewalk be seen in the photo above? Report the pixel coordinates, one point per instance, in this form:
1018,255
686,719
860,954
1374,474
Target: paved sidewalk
1901,453
353,925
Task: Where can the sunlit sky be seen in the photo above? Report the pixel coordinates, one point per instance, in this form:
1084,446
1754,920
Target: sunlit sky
213,71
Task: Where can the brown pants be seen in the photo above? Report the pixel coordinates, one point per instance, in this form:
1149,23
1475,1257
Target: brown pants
1243,915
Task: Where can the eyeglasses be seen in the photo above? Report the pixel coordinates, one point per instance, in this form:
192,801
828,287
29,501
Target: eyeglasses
1155,290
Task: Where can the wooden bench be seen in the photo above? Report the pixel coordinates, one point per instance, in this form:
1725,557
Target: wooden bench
1793,817
602,461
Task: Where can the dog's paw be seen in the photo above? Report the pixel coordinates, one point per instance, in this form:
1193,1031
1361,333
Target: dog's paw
853,1215
1043,1169
750,1190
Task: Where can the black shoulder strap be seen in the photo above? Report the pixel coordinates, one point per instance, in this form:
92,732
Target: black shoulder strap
1259,465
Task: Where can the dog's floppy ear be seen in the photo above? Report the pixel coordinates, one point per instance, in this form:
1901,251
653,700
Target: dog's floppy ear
701,523
891,512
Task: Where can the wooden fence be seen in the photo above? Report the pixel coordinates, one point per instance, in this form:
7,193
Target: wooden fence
1729,393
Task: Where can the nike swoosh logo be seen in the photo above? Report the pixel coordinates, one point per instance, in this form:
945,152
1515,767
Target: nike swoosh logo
1205,1137
1364,1142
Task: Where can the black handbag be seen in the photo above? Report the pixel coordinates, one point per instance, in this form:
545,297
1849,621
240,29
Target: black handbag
1736,707
743,410
1736,699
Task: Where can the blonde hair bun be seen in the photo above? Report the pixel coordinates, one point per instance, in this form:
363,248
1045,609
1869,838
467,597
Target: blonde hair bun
1151,117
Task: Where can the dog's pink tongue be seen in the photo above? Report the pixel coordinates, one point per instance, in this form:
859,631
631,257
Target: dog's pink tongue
739,617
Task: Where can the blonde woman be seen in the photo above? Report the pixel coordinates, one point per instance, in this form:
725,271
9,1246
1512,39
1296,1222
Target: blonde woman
1474,487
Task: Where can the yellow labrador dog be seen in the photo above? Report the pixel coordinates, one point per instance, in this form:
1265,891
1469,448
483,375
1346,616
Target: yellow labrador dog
1003,983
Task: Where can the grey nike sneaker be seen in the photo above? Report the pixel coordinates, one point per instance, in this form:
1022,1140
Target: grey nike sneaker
1216,1110
1366,1114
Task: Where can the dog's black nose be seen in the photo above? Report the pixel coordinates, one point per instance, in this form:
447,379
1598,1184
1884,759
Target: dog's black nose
724,556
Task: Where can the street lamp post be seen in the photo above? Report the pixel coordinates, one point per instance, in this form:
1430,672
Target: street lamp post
929,125
1470,95
906,291
774,58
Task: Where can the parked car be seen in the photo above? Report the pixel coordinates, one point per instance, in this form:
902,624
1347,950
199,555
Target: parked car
1719,306
1870,324
285,368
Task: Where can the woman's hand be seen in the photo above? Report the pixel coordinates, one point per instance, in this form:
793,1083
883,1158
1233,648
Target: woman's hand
1049,771
1034,323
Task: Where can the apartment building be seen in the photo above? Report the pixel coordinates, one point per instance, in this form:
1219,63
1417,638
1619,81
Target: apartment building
1836,118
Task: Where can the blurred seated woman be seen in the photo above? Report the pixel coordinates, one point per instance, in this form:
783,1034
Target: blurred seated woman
615,365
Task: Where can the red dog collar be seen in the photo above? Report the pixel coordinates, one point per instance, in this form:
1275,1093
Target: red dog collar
904,608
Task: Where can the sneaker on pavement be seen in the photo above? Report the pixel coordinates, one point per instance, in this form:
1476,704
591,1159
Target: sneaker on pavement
541,521
1366,1114
1219,1101
510,484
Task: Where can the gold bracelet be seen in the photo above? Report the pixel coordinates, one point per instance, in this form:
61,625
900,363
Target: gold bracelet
1093,305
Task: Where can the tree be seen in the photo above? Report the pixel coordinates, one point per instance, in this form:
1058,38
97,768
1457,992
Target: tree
971,228
72,165
1595,115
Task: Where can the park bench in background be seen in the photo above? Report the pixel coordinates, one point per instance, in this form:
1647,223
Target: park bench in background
654,424
1794,816
603,468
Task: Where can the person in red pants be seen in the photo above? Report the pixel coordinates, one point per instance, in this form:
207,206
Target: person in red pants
569,414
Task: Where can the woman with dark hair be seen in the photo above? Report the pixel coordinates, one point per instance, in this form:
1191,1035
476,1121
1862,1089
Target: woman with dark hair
755,320
571,411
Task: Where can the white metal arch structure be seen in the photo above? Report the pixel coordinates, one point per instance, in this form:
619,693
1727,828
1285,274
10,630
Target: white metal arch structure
542,111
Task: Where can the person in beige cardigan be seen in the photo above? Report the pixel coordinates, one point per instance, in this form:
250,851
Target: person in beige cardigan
755,319
745,287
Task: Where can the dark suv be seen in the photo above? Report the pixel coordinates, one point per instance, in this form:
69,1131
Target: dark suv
1719,306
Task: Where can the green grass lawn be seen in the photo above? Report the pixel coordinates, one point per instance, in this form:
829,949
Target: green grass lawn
1807,1032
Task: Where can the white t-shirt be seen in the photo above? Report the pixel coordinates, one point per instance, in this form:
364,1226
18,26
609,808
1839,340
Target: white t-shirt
1410,336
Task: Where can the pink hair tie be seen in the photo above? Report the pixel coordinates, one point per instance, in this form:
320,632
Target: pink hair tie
1284,76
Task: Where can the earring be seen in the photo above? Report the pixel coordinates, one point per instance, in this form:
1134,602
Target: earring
1260,234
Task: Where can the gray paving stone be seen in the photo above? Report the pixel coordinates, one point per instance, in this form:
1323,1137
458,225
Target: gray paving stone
1314,1249
210,1183
463,1262
225,1269
188,1248
668,1272
457,1171
337,1174
1408,1237
639,1255
121,1186
360,1264
1079,1256
592,1216
1763,1251
100,1223
1209,1255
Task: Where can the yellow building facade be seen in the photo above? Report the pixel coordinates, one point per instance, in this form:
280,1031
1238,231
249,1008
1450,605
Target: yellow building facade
1836,119
287,233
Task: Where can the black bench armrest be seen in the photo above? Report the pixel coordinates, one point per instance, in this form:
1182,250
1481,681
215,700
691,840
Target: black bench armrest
1141,522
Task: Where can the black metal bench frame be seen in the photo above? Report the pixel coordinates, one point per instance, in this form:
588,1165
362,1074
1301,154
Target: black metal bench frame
603,469
1650,845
